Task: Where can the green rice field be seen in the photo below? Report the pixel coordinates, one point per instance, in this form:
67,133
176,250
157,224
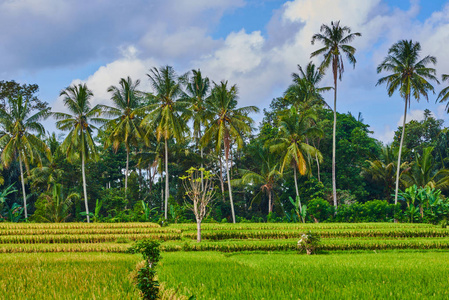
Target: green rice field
234,261
385,275
67,276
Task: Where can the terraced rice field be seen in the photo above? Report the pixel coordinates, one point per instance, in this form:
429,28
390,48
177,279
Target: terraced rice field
82,237
234,261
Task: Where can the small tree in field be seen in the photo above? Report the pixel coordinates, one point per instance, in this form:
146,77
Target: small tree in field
199,193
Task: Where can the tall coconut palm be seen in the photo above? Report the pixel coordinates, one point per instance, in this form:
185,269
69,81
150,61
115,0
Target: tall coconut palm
17,138
227,124
168,112
335,39
197,91
79,122
126,112
409,75
291,144
443,96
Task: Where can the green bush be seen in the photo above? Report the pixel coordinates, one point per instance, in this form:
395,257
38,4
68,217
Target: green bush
146,283
320,210
370,211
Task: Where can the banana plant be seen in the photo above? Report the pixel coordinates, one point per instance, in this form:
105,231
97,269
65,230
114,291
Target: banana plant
412,212
146,210
301,211
409,195
9,190
13,213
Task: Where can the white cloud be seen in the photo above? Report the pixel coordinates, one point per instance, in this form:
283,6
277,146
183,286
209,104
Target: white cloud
386,136
111,74
414,114
241,53
441,112
261,64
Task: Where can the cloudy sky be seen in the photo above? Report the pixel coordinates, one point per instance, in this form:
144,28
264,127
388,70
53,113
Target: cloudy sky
254,44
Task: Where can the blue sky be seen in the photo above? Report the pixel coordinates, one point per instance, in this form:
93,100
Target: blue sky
254,44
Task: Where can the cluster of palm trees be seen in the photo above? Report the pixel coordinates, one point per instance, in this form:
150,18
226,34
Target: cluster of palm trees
137,119
411,75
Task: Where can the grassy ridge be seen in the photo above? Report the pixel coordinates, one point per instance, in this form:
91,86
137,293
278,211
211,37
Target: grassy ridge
388,275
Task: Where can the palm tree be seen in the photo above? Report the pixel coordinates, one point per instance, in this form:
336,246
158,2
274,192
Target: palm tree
125,125
227,123
17,139
45,176
57,206
423,172
197,91
168,112
382,170
335,39
304,91
443,96
80,124
291,144
305,94
267,178
409,75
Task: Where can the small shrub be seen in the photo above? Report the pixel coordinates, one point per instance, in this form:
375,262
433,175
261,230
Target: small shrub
309,242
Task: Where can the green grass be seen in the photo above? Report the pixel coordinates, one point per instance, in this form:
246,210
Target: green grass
384,275
67,276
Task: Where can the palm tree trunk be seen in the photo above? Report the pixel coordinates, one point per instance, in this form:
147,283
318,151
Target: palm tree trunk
201,151
318,166
126,172
84,187
23,189
398,168
270,206
221,180
334,133
296,187
230,189
166,178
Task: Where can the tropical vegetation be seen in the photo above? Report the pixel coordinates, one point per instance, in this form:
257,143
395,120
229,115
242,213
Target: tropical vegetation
298,164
